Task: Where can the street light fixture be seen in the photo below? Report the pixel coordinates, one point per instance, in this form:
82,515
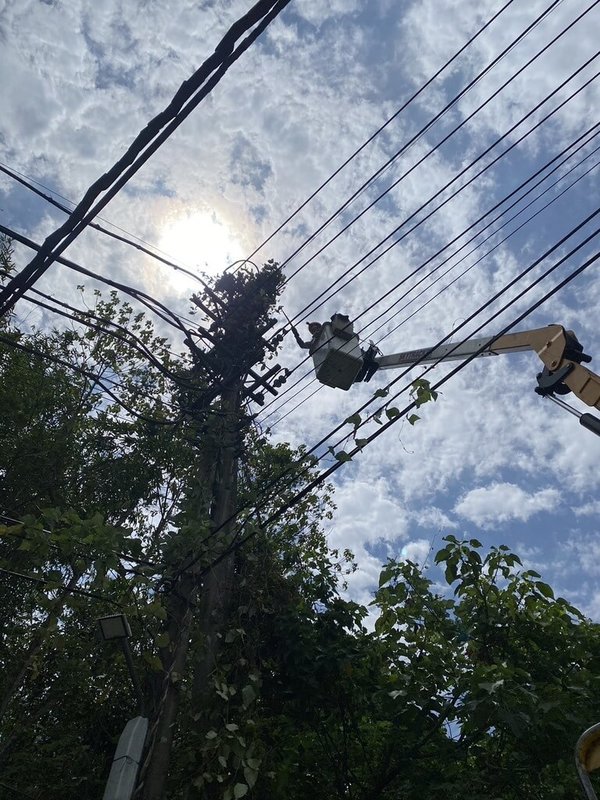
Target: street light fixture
115,626
125,766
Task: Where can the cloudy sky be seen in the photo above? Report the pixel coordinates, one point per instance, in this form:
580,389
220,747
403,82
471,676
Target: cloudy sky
490,459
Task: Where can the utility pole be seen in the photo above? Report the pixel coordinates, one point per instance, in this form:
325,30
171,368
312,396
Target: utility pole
195,604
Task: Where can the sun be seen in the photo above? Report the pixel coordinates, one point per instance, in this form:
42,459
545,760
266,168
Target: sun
200,241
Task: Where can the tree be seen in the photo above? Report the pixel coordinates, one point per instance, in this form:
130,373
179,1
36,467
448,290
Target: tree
476,689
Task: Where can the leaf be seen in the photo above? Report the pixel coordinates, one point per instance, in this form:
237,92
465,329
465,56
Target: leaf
250,775
222,761
544,589
231,726
490,688
475,543
413,418
441,555
360,443
211,734
248,694
343,456
355,420
240,790
162,640
392,413
381,393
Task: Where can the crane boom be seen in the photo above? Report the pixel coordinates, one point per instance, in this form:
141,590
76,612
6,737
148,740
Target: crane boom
340,361
558,349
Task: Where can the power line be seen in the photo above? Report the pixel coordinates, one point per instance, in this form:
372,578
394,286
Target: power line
446,272
326,474
423,130
44,581
96,379
447,185
145,299
28,182
376,133
593,130
124,556
156,132
275,483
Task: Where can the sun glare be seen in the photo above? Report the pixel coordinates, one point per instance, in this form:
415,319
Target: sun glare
199,240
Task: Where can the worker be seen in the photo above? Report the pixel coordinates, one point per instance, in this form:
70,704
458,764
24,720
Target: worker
314,328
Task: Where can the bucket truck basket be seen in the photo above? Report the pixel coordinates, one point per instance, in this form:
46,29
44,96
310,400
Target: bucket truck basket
337,356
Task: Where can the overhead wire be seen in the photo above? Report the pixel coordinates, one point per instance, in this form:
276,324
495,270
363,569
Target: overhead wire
155,133
275,483
96,379
379,130
314,305
154,305
425,128
128,238
124,556
592,132
440,277
74,590
239,541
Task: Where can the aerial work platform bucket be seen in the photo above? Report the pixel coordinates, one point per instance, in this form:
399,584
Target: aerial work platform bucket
337,356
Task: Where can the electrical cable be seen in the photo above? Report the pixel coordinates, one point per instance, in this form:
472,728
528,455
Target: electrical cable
28,182
96,379
488,252
326,474
147,300
124,556
593,130
274,483
378,131
449,183
84,592
437,294
155,133
424,129
471,180
120,333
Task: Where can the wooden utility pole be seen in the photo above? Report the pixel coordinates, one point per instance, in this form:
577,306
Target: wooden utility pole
197,600
222,475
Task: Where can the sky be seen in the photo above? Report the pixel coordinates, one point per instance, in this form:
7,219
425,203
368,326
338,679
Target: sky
490,459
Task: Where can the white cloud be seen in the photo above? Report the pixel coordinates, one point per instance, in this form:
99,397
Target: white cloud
502,502
588,509
416,551
85,78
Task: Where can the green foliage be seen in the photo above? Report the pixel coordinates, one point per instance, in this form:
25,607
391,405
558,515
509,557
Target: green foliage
475,689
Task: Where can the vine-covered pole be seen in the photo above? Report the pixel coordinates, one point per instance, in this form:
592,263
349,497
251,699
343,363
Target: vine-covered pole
196,597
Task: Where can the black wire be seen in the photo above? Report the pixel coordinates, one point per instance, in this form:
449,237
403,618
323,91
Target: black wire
461,188
120,333
423,130
124,556
465,231
28,184
96,379
147,300
326,474
83,592
377,132
156,132
488,252
446,272
275,483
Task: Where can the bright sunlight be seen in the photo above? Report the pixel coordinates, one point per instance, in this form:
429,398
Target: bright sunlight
199,240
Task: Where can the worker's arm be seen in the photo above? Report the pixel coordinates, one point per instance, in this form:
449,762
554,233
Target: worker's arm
301,343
